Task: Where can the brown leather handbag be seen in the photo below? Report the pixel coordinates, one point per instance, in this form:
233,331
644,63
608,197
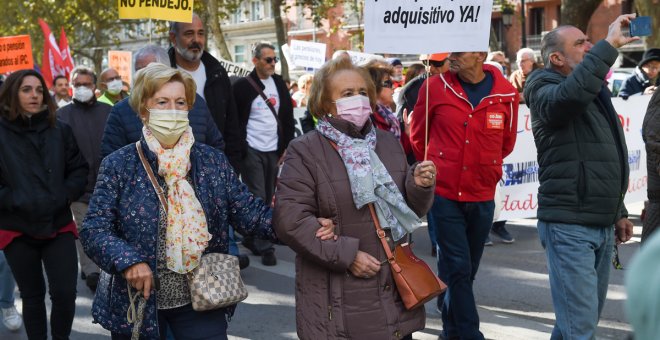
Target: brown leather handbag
415,281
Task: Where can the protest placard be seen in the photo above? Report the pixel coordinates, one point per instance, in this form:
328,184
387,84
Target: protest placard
426,26
521,170
234,69
122,62
307,53
15,53
173,10
359,58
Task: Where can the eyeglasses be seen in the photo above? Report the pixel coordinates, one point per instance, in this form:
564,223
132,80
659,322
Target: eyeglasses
387,84
270,60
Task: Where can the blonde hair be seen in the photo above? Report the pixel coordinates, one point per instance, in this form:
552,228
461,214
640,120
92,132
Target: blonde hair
151,78
319,103
304,80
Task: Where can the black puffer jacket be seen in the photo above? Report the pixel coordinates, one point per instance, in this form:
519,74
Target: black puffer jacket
582,151
220,101
41,173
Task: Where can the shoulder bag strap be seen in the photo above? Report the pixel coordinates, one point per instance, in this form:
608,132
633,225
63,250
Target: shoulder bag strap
268,103
152,177
379,231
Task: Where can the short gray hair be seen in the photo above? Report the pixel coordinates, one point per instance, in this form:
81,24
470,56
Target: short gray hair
152,50
174,25
83,70
492,55
256,52
552,42
525,51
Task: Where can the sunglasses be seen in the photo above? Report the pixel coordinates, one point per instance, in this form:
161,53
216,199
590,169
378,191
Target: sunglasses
387,84
270,60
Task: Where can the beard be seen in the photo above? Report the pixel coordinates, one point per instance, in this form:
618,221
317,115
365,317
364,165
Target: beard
189,55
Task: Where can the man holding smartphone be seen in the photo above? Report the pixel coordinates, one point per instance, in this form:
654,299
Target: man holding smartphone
583,172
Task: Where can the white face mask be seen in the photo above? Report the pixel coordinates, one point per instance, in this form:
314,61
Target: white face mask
114,87
82,94
167,125
355,109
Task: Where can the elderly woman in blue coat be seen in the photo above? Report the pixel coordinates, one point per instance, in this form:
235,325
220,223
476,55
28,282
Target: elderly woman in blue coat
140,244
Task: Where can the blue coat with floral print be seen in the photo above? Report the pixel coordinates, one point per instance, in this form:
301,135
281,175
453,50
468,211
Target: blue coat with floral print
121,226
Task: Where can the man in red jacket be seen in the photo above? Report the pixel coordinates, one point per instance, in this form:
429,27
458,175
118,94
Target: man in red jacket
473,116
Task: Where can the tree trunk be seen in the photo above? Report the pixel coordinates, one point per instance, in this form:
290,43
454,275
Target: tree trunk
578,12
650,8
276,8
216,29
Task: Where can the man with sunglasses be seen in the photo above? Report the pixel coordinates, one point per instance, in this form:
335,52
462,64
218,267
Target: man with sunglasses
265,114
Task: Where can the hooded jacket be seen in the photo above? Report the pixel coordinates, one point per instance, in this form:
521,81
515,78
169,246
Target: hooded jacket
41,172
466,143
582,152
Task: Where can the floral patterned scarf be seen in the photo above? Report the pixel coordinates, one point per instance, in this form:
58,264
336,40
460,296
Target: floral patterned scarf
370,182
387,120
187,234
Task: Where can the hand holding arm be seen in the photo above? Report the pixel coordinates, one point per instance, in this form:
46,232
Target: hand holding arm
327,230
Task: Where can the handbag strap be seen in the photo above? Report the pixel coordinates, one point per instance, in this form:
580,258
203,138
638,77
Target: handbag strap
268,103
379,230
152,178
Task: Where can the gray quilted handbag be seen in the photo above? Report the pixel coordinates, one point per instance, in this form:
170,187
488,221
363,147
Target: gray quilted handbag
216,282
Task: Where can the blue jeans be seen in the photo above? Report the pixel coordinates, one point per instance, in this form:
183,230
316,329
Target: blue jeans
579,267
462,228
432,228
233,247
7,284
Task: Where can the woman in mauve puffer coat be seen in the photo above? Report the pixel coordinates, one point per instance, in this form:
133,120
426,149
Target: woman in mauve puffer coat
343,291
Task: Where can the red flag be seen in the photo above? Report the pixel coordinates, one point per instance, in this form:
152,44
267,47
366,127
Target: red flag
51,64
67,61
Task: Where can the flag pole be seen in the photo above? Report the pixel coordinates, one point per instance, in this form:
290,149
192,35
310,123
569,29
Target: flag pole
426,120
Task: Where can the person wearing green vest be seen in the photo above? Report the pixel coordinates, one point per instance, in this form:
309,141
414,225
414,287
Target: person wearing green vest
111,86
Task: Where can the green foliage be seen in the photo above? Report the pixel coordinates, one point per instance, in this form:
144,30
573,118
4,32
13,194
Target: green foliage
91,26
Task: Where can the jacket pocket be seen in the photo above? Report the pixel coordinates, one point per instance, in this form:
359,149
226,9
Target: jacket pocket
582,183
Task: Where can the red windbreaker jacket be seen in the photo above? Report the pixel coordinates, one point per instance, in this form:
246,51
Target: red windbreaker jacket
466,143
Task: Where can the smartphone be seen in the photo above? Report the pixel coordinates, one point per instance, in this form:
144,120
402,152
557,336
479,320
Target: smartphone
640,27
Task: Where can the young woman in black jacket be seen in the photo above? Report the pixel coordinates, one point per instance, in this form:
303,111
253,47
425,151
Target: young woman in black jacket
41,173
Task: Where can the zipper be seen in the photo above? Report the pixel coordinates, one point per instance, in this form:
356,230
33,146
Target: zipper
329,298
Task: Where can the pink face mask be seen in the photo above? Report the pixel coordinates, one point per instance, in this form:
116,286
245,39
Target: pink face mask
355,109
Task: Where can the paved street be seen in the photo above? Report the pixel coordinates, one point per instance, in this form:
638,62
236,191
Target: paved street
512,291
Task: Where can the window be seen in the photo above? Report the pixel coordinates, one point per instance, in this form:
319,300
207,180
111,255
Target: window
536,21
255,11
239,53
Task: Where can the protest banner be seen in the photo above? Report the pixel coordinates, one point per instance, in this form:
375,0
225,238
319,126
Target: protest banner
521,170
15,53
426,26
359,58
122,62
234,69
173,10
307,54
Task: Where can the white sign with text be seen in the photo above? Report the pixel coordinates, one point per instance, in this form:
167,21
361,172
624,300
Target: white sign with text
307,53
426,26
